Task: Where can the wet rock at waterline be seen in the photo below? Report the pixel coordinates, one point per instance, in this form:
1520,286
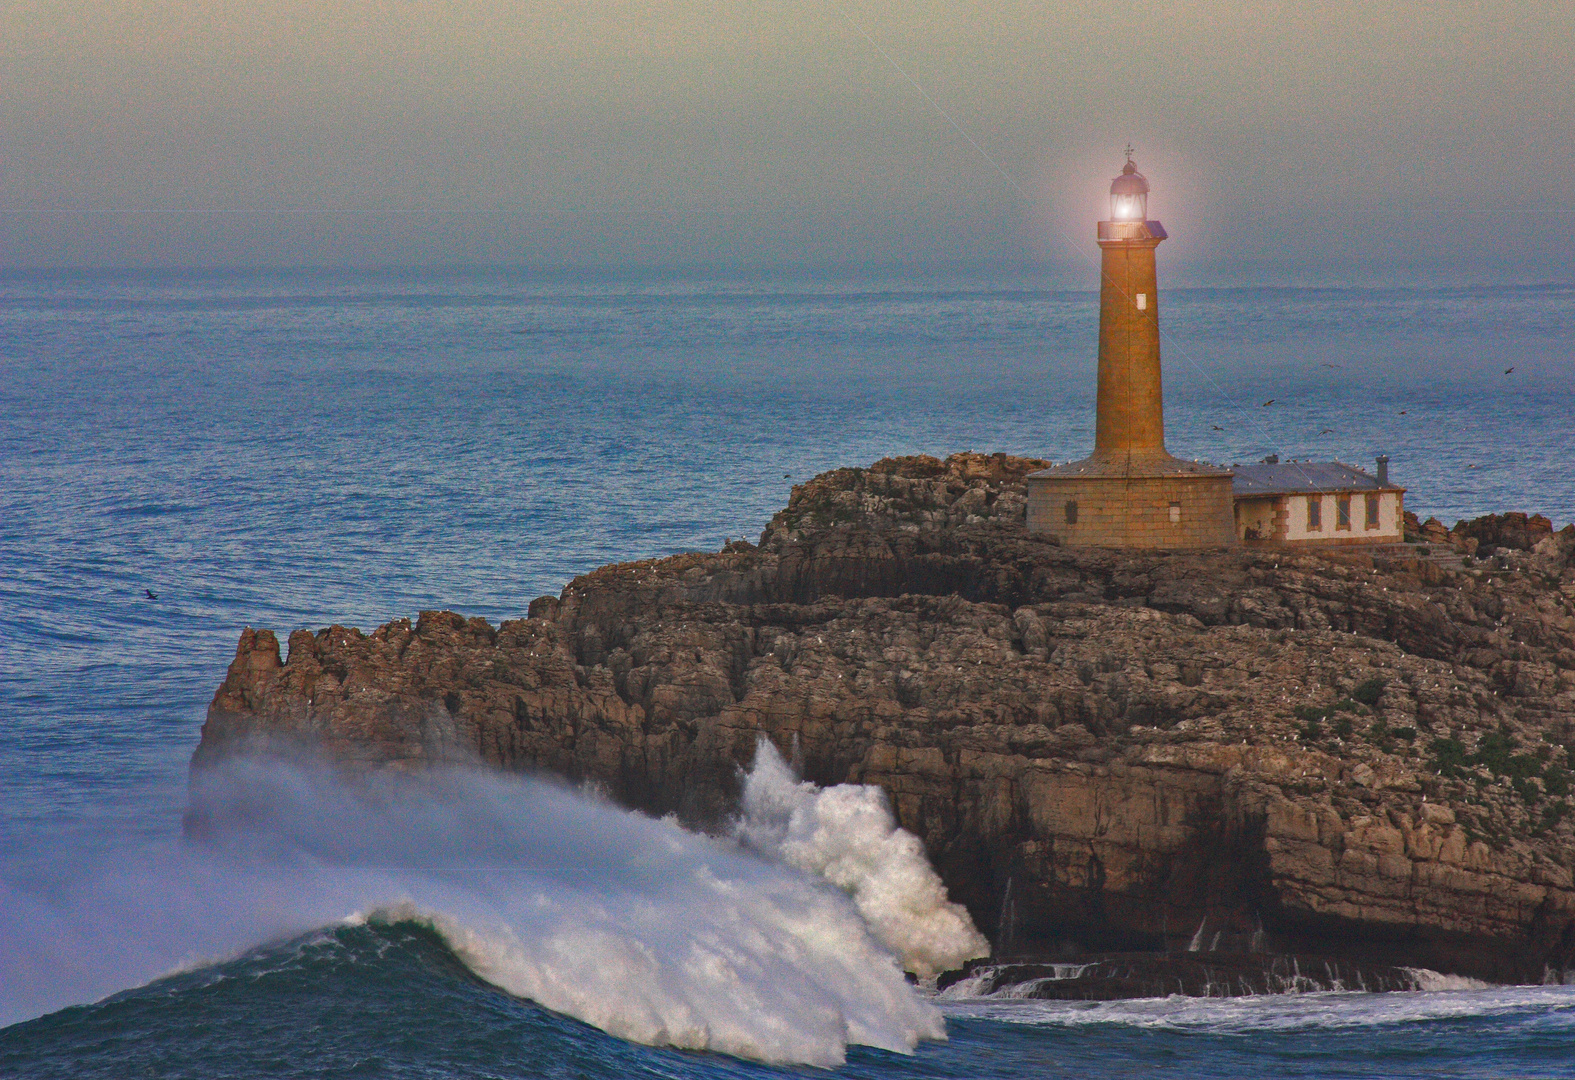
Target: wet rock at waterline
1111,977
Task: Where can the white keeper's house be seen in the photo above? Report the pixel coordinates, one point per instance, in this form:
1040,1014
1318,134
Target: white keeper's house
1316,502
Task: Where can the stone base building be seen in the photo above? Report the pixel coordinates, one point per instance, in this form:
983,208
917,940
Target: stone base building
1154,503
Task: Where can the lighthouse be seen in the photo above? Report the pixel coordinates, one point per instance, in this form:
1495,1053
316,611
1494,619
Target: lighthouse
1130,492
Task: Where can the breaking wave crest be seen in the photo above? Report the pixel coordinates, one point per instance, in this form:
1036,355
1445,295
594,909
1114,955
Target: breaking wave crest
636,926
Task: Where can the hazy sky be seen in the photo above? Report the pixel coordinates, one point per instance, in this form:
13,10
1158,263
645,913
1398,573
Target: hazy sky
773,109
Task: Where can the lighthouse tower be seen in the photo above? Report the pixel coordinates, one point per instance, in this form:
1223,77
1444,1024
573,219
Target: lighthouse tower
1130,492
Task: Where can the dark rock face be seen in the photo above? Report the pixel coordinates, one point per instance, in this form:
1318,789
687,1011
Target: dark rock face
1494,534
1364,757
1515,532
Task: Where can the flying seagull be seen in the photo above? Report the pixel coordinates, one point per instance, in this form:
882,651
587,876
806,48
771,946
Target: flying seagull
1266,404
1509,369
1218,428
151,594
1327,431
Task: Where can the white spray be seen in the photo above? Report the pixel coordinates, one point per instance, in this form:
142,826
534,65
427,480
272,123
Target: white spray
634,925
847,835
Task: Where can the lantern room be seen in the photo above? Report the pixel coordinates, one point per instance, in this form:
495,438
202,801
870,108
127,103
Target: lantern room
1129,195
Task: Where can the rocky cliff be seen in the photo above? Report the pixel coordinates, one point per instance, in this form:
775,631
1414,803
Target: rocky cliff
1350,754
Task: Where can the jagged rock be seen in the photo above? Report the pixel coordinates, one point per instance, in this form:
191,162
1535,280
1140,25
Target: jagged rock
1365,756
1515,531
1411,527
1436,532
1557,550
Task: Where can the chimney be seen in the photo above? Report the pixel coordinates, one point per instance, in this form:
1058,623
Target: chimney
1272,459
1383,470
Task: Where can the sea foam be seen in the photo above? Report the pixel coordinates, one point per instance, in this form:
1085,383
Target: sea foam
637,926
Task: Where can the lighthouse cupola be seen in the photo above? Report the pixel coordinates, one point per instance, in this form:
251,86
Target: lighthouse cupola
1129,195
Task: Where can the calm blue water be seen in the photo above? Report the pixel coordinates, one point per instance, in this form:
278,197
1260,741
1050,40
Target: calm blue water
295,450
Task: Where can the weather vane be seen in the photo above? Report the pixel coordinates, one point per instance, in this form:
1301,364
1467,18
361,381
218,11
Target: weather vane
1129,151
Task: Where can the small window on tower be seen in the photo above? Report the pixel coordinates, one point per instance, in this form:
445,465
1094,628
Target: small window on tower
1372,511
1071,511
1142,301
1342,512
1175,513
1314,512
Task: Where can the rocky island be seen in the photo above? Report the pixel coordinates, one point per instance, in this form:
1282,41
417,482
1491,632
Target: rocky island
1362,755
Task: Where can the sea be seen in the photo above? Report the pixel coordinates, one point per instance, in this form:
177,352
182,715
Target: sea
185,454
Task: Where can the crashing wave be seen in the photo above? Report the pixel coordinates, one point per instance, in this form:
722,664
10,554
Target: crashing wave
847,835
633,925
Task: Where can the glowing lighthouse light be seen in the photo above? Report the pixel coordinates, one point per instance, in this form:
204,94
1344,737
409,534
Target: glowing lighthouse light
1129,195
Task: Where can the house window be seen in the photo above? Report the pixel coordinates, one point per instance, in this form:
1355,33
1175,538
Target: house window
1314,512
1175,513
1342,512
1071,511
1372,511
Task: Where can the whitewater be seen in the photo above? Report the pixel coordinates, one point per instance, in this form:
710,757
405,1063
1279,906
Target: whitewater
638,927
